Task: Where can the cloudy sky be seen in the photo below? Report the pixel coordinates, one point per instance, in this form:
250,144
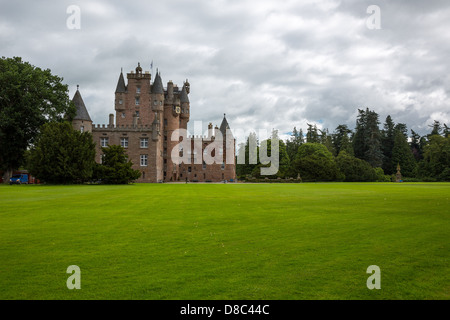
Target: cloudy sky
266,63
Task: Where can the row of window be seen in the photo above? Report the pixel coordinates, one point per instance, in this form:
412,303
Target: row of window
104,141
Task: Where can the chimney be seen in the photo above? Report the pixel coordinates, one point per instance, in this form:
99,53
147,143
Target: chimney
111,120
170,90
210,130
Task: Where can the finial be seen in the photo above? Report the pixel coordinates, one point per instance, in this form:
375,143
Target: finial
224,115
78,86
121,70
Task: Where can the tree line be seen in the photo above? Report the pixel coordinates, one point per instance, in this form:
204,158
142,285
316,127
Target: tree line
367,153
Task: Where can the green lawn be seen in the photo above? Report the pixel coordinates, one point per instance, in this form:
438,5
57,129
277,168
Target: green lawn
226,241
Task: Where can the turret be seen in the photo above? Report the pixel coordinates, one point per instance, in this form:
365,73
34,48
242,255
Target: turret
157,94
121,89
82,121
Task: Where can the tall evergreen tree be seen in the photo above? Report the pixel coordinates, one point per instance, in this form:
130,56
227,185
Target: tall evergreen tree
294,142
416,146
387,144
436,128
359,140
326,140
401,153
367,138
312,134
340,137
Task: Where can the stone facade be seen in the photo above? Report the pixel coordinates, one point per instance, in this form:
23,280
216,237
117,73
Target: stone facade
147,115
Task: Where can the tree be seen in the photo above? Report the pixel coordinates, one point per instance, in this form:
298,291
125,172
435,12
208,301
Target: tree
327,141
446,132
416,147
115,167
436,159
340,137
401,153
315,163
294,142
367,138
29,98
283,158
62,154
387,144
312,134
437,128
250,157
355,169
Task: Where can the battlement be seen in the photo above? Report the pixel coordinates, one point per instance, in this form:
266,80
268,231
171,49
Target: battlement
105,127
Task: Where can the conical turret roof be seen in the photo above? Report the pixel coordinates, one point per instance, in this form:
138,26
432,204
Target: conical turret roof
224,125
157,84
121,84
184,95
82,113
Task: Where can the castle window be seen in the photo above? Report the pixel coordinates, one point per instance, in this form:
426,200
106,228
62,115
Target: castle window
165,122
144,142
137,99
155,102
138,89
82,129
137,114
144,160
223,165
104,142
120,101
123,114
124,142
189,169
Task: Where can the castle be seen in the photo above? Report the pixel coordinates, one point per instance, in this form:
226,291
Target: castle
148,116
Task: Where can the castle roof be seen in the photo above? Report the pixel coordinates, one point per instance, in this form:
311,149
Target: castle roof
157,84
184,95
82,113
224,125
121,84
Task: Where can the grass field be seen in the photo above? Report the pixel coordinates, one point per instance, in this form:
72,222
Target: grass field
226,241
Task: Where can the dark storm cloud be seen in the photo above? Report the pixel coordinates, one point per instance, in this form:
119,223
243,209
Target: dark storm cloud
266,64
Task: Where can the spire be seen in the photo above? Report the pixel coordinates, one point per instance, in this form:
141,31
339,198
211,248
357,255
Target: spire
121,84
157,84
224,126
184,95
82,113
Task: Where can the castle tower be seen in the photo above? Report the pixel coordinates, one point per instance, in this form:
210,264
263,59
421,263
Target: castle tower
185,106
82,121
132,101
